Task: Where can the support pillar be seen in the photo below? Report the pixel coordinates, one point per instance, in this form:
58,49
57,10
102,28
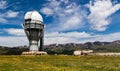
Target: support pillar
41,41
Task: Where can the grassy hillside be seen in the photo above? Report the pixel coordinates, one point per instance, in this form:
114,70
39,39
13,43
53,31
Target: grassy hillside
59,63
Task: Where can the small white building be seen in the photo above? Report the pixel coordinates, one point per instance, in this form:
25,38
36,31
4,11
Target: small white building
82,52
77,52
86,52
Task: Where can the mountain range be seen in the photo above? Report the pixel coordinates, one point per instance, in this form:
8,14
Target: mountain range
68,48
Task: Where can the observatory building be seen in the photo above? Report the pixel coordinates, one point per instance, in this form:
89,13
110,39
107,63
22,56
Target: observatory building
34,29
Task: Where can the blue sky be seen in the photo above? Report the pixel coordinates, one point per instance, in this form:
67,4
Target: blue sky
66,21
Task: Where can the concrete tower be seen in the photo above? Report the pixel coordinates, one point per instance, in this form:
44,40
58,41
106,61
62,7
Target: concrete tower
34,29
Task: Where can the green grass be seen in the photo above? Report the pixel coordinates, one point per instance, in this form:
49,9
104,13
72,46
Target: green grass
59,63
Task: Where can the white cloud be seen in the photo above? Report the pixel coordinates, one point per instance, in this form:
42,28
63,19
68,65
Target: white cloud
11,14
65,1
19,38
101,10
3,4
62,38
3,20
50,8
8,14
78,37
17,32
69,17
73,34
74,22
58,38
69,11
54,3
47,11
11,41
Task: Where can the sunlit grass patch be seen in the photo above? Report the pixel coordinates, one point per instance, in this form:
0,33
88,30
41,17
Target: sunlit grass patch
59,63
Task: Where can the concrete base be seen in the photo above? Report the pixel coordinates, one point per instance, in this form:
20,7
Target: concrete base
34,53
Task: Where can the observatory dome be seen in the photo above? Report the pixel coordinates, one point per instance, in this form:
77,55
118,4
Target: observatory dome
33,15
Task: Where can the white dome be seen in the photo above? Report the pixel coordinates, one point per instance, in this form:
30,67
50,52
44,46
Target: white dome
33,15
